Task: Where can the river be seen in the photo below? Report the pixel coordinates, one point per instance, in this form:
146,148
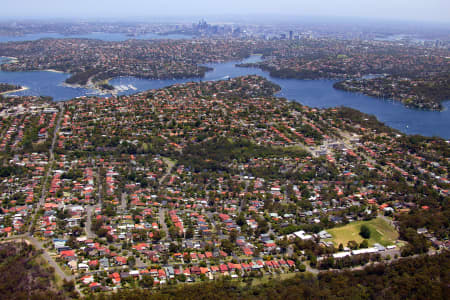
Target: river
314,93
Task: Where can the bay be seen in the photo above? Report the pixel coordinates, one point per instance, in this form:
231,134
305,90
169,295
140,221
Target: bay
314,93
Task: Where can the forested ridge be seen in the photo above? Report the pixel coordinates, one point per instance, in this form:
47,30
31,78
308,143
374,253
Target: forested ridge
424,277
23,274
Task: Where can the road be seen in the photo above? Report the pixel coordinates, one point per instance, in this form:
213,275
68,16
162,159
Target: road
123,201
49,169
388,220
162,222
170,165
162,211
90,209
28,237
88,225
311,270
99,186
242,203
49,259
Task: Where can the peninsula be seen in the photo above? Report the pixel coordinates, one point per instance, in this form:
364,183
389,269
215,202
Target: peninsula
6,88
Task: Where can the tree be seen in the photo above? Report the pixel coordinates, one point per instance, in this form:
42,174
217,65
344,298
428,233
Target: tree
146,281
233,236
365,232
173,248
240,219
189,232
227,246
263,225
302,268
68,286
352,245
313,261
364,244
131,261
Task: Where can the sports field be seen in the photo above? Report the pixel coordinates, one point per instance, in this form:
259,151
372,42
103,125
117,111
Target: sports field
380,232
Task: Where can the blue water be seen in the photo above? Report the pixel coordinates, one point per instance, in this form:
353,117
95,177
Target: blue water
111,37
314,93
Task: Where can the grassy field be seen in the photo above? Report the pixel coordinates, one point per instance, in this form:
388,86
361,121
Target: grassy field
380,232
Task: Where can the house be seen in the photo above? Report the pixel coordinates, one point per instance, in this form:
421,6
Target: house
104,263
303,236
223,268
115,278
95,286
93,263
87,279
68,255
83,267
324,235
120,260
257,265
247,251
195,270
162,274
422,230
73,264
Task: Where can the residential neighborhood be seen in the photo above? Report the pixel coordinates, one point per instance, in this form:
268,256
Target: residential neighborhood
211,180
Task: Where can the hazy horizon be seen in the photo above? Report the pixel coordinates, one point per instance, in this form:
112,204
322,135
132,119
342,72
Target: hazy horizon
434,11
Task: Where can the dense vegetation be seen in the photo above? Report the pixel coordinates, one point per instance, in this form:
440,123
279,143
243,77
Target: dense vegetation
4,87
285,72
22,276
216,153
424,277
365,120
427,93
81,78
6,171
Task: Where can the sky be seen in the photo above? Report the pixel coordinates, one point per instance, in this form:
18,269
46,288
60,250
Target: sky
411,10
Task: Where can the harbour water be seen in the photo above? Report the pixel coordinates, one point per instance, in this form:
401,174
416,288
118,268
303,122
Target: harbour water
314,93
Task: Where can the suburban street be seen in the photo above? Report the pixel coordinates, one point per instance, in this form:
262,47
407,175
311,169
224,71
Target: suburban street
49,166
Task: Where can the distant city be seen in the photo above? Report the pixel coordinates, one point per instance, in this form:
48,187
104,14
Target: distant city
421,34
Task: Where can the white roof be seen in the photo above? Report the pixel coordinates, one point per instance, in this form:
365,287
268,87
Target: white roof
342,254
301,234
364,251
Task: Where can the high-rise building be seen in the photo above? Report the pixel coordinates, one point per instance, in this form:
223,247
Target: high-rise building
291,35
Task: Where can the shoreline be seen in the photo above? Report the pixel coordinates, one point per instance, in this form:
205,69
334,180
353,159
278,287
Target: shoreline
54,71
24,88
